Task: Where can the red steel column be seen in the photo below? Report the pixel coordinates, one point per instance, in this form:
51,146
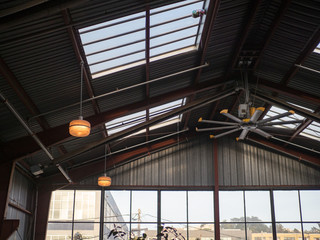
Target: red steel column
42,212
216,192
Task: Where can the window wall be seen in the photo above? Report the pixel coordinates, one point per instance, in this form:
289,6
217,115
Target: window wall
133,214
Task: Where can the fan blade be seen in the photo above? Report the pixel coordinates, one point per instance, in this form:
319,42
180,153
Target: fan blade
281,123
225,133
257,114
262,133
225,113
276,117
217,122
214,128
243,134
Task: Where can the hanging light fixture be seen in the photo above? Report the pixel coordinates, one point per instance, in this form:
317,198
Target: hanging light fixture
104,181
80,127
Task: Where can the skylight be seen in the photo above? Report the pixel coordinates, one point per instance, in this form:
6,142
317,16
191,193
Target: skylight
312,131
125,122
275,111
119,44
317,49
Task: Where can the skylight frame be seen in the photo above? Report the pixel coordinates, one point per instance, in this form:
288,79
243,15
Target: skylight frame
276,110
130,120
312,131
134,57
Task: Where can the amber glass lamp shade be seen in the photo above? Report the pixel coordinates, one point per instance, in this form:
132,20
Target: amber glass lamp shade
104,181
79,128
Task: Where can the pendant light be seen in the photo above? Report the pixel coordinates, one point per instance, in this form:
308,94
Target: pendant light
104,181
80,127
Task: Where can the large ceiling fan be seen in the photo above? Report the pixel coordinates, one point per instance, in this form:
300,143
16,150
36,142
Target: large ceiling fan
247,120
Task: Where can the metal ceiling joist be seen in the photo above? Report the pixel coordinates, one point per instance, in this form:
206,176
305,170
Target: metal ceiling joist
75,39
60,133
278,102
33,14
244,35
238,49
302,126
206,35
188,107
294,153
23,96
212,13
282,11
288,91
312,44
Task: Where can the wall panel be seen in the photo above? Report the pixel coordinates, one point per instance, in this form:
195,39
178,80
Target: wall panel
22,194
191,164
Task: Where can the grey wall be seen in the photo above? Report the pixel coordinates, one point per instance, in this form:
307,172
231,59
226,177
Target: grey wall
191,164
22,194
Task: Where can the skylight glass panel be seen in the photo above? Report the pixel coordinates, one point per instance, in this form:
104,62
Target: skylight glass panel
173,28
119,44
276,111
312,131
317,49
122,123
125,122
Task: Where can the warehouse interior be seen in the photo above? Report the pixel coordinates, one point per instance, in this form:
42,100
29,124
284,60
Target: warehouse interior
194,108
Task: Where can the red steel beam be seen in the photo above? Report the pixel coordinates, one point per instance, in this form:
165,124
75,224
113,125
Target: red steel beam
23,96
244,34
288,91
312,44
282,11
238,49
297,154
60,133
302,126
43,200
77,47
207,29
212,13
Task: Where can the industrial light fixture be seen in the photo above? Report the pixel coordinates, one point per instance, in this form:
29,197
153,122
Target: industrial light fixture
80,127
104,181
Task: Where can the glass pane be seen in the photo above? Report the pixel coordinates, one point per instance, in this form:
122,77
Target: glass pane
229,231
86,231
61,206
116,231
201,231
87,206
200,206
310,205
59,231
144,206
231,206
173,206
311,231
174,231
258,206
137,230
286,204
289,231
117,206
259,231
